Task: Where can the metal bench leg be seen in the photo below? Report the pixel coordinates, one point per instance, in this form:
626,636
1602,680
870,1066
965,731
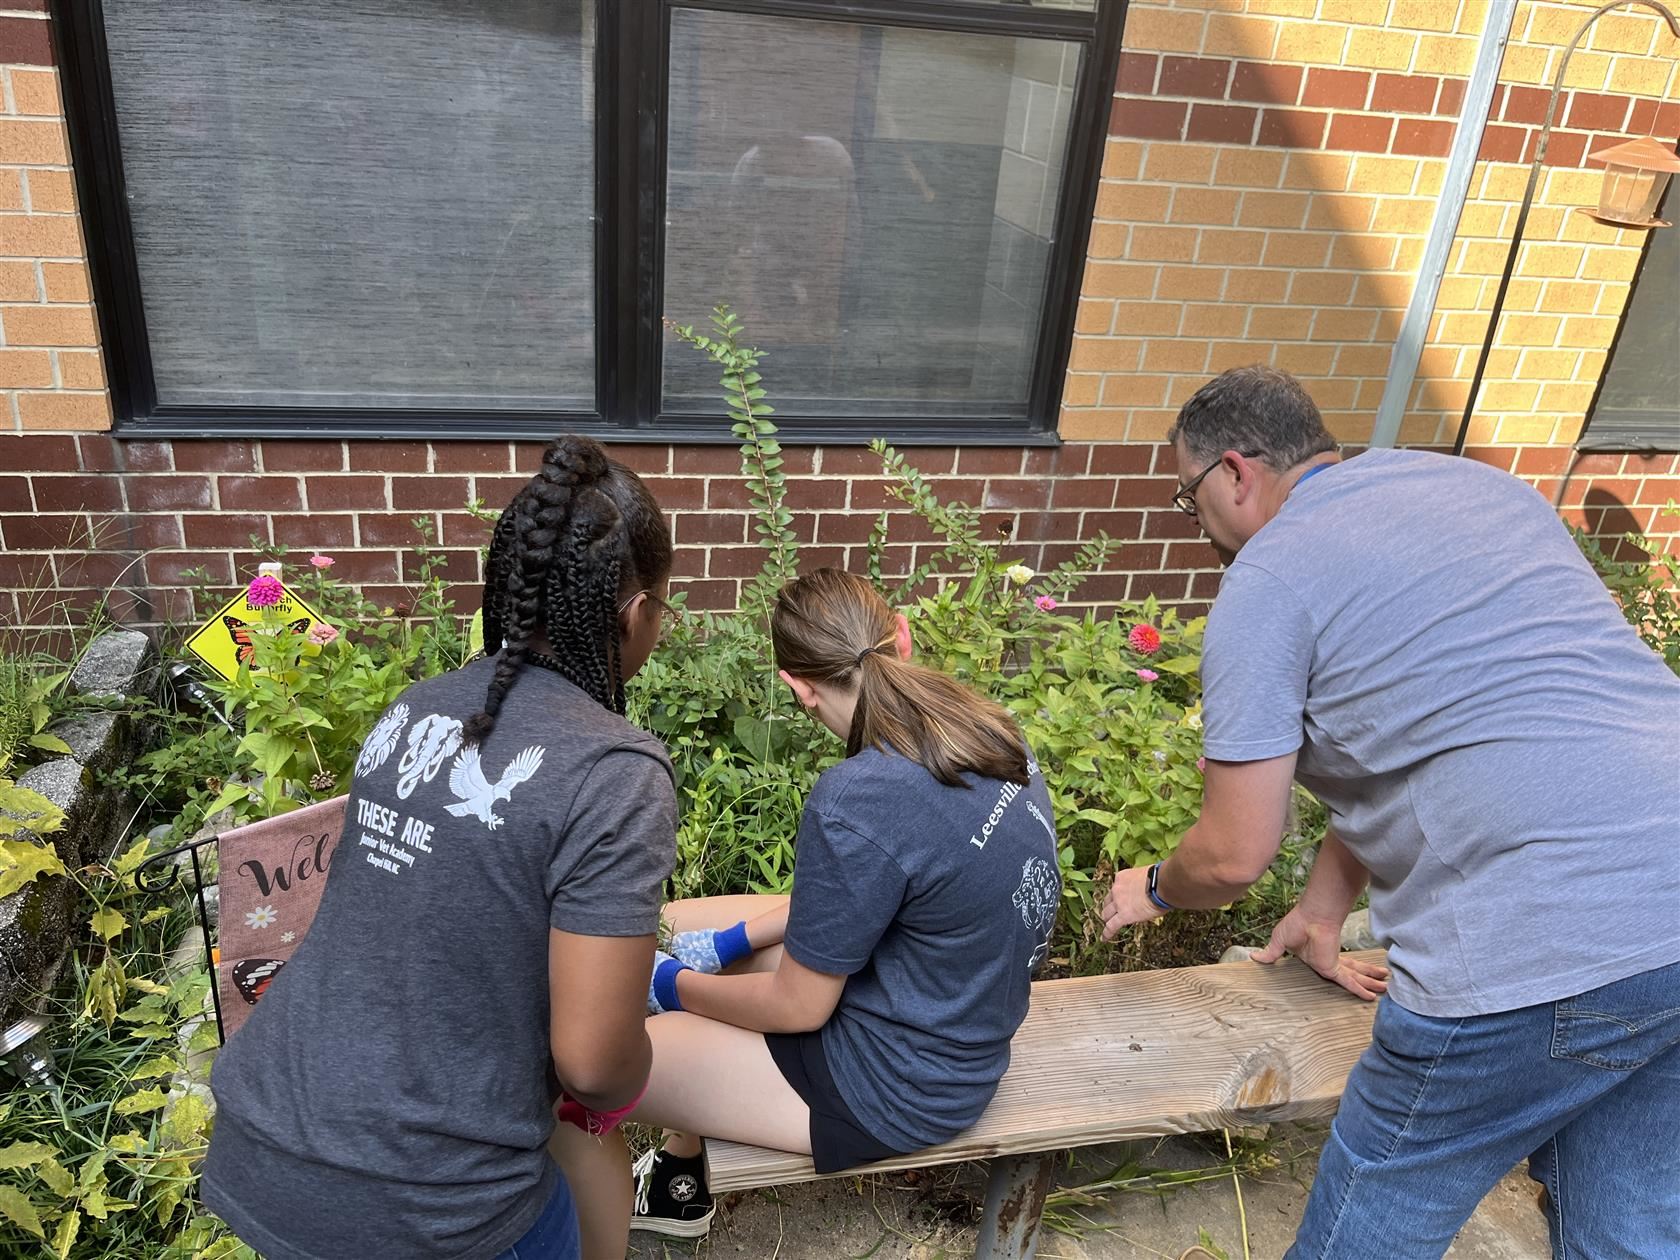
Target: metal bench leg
1015,1195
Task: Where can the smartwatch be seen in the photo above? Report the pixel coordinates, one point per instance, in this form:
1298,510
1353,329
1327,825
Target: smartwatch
1153,889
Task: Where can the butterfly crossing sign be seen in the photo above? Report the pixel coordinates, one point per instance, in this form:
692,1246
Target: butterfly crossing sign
224,640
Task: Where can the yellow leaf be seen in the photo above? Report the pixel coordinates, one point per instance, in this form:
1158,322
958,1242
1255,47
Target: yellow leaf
20,1211
109,923
142,1101
188,1120
24,1154
151,1069
65,1238
22,862
57,1176
93,1172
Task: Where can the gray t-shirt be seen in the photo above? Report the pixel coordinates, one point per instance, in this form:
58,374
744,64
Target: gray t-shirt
1493,740
392,1092
936,903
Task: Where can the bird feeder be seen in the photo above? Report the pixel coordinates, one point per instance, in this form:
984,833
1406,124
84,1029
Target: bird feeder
1636,174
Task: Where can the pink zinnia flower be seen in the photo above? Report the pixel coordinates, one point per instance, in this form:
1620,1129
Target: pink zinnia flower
321,562
1148,675
1045,603
322,633
1145,639
264,592
1201,764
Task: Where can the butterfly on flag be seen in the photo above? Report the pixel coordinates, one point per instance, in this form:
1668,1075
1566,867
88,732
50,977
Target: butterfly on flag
240,632
252,976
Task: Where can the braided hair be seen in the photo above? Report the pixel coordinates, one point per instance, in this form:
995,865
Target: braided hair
577,537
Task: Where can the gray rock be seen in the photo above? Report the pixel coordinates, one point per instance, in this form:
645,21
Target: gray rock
117,664
213,826
93,737
1356,931
58,781
1237,953
38,923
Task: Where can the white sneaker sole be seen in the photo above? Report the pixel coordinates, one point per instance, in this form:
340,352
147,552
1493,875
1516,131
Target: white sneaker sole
673,1228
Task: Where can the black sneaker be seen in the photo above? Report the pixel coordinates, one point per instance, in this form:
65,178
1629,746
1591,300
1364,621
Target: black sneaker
671,1196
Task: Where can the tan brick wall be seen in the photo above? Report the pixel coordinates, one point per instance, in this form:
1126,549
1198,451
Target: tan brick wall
1573,273
1286,224
51,373
1294,243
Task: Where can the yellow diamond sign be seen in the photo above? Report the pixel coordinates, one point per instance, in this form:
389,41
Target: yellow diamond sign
225,639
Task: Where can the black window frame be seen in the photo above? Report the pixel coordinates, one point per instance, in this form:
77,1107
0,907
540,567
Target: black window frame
632,51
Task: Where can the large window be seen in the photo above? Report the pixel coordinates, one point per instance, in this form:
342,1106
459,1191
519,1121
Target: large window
470,217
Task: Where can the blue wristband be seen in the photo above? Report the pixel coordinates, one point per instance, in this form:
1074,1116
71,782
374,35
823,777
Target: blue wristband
665,983
731,944
1155,898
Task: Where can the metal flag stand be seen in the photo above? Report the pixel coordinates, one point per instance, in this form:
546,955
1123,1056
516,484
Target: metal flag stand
160,873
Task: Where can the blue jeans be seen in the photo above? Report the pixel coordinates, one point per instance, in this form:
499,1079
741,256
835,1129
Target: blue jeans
1438,1110
555,1235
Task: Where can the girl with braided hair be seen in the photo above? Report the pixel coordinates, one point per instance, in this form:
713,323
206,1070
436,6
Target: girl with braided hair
869,1014
483,946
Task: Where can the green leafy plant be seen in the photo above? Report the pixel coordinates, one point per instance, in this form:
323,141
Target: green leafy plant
31,696
761,455
1648,590
104,1162
304,705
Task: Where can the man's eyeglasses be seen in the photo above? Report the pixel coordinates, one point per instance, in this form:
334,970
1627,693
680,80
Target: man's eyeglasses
1185,499
669,613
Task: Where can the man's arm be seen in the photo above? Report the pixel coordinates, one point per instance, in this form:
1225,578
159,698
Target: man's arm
1244,807
1312,931
1336,881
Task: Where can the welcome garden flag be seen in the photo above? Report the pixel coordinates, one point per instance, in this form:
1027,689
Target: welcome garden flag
272,876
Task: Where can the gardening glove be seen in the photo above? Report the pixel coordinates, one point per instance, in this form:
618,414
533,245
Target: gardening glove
662,992
710,952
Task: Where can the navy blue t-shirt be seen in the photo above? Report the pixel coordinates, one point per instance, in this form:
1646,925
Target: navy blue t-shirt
937,903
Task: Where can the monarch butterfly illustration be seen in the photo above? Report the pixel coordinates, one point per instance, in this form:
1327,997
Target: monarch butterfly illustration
240,633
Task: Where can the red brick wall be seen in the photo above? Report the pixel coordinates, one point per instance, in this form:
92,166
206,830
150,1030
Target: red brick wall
1270,105
158,509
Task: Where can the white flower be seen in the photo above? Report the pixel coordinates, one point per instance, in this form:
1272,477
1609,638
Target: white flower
1019,574
261,917
286,938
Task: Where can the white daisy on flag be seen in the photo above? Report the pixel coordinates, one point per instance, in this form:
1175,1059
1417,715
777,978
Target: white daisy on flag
261,917
286,938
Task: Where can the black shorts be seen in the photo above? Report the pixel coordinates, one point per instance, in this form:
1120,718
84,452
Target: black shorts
838,1142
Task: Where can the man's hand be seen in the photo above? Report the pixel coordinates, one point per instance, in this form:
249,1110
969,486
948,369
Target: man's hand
1128,902
1318,943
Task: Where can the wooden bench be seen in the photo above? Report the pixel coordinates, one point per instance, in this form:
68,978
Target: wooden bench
1111,1058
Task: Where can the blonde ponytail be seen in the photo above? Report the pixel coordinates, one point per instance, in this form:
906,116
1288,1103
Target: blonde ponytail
832,627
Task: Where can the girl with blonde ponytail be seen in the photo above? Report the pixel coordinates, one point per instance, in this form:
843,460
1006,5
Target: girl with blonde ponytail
869,1014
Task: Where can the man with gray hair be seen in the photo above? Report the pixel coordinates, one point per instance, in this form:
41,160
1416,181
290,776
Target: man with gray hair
1418,641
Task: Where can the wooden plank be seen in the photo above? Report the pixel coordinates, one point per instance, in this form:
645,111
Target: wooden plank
1144,1054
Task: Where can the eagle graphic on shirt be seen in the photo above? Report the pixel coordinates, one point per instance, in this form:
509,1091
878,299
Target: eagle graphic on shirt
478,795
